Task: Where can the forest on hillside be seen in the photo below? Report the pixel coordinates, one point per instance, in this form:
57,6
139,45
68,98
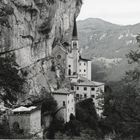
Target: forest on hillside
122,100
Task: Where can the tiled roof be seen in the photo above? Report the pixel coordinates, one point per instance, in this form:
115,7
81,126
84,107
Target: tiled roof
84,59
85,83
97,83
81,78
62,47
24,109
62,91
89,83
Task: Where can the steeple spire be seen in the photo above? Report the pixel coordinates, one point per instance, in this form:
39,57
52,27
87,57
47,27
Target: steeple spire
75,34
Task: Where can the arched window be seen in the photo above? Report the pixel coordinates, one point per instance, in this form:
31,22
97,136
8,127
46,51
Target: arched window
69,72
74,44
58,56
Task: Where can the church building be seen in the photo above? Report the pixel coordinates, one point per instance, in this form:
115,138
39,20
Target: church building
73,55
67,55
78,70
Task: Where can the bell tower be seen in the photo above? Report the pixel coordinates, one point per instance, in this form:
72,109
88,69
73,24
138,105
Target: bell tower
75,48
75,36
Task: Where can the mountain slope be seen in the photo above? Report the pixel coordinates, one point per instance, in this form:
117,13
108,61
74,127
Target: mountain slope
108,44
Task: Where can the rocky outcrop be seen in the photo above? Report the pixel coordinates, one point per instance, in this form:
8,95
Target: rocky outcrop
29,29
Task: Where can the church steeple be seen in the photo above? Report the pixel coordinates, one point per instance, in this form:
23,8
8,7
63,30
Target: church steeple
75,34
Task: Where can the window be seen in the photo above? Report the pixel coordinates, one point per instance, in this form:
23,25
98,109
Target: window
68,102
85,95
92,89
74,44
93,96
64,104
81,96
84,63
59,56
74,73
80,64
69,71
77,95
69,65
85,88
72,88
84,70
72,108
79,70
98,89
77,88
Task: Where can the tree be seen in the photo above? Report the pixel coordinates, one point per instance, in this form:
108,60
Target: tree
49,105
11,83
122,103
86,113
73,126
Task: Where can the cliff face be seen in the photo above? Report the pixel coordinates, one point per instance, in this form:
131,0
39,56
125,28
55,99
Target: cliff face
29,29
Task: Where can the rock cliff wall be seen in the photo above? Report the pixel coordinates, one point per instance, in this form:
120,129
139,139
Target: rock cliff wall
29,29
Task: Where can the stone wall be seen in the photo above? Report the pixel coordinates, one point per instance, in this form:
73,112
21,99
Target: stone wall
23,120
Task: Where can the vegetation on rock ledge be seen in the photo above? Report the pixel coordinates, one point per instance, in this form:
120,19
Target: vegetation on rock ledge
11,84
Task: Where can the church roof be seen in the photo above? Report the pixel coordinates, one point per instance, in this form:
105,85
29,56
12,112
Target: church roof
75,34
23,109
60,46
83,59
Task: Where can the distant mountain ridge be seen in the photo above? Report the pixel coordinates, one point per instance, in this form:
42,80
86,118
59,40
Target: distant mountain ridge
99,38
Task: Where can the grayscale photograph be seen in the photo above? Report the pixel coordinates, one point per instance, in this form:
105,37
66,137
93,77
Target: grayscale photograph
70,69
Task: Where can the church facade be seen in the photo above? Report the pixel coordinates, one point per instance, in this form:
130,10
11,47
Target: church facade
68,56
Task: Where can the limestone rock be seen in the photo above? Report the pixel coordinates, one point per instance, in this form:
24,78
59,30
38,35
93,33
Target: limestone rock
29,28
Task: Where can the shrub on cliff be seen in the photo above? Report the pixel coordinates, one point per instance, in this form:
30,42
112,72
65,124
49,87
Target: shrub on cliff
79,2
49,105
11,83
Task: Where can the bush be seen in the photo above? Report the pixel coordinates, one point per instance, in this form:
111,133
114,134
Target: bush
45,27
55,126
4,131
79,2
87,116
10,81
49,105
86,113
73,127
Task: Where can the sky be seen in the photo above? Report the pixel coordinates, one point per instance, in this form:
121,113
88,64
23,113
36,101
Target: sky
123,12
